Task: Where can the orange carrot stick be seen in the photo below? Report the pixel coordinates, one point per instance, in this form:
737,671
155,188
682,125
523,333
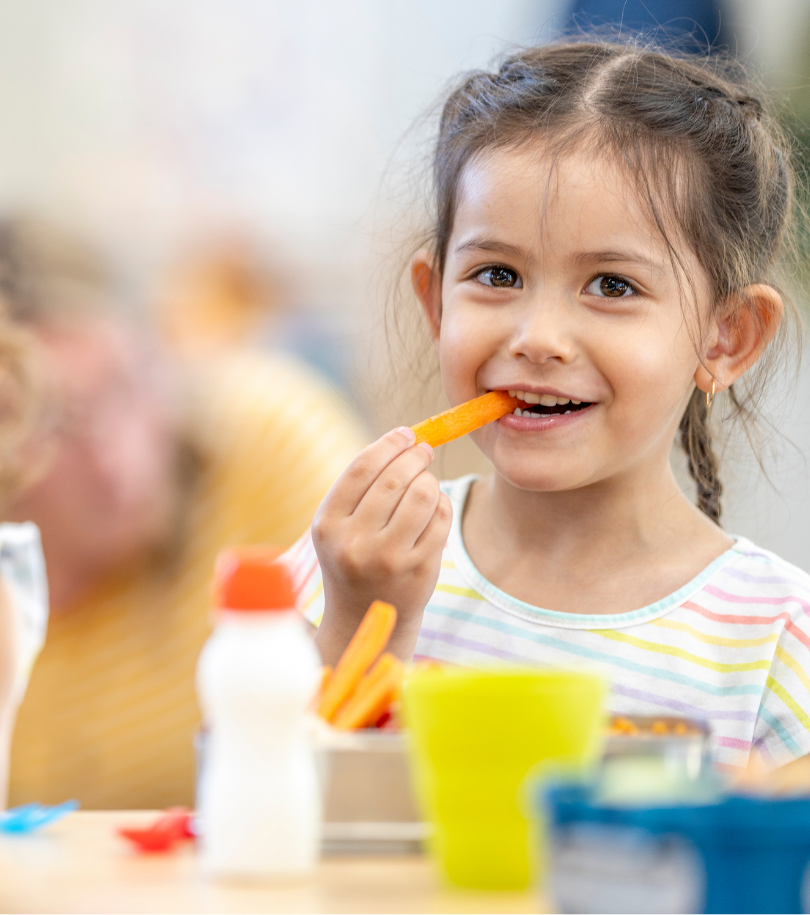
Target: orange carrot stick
466,417
376,702
373,695
377,673
326,673
362,651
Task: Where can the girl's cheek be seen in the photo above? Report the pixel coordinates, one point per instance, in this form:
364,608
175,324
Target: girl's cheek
461,339
648,389
456,362
649,375
650,352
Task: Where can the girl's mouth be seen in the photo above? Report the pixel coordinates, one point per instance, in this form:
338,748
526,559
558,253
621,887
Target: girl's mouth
546,404
537,412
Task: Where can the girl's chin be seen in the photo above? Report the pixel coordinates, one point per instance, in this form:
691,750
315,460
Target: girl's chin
533,479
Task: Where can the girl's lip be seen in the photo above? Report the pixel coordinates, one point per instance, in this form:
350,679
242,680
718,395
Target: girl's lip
542,422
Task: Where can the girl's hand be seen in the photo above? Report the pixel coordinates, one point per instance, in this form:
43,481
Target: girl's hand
379,535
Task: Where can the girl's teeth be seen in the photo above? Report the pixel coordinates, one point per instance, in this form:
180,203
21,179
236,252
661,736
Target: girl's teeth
547,400
518,412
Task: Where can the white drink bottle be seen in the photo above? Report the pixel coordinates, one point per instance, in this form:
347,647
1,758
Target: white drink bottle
259,802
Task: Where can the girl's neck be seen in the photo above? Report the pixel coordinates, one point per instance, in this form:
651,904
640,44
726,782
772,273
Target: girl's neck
614,546
624,512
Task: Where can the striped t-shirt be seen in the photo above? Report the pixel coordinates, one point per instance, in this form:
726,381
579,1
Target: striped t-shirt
732,646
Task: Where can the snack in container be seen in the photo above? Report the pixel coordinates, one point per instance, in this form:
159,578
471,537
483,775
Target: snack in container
365,647
682,746
368,803
373,695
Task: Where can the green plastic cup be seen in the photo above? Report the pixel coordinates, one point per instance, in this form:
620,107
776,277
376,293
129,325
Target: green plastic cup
475,734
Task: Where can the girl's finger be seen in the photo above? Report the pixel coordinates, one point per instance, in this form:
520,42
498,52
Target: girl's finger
350,487
434,536
384,495
414,512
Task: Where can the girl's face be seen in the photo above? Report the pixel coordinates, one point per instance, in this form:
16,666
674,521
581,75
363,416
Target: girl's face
556,285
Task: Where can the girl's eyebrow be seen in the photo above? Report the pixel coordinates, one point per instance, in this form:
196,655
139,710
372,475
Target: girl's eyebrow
608,257
485,243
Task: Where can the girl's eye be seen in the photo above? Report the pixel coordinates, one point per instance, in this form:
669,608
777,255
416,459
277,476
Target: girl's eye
501,277
613,287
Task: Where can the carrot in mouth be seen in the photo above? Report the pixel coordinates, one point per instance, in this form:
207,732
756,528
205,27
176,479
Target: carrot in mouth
466,417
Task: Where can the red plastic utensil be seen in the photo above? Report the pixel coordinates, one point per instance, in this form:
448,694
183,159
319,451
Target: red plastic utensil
173,826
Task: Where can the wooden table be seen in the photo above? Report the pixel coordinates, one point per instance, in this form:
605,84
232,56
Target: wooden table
80,865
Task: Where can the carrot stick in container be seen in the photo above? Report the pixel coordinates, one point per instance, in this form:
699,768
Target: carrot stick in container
466,417
373,695
362,651
326,673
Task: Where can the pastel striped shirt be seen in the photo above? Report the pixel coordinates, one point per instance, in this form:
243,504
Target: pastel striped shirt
732,646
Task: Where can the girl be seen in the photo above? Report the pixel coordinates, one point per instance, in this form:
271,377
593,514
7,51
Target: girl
608,220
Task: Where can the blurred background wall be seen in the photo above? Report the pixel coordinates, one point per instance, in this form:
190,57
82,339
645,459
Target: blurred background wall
161,128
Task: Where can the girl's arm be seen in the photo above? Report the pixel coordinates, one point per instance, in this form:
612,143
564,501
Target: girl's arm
379,535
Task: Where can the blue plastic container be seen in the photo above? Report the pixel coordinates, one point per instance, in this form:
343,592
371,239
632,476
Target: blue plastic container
754,851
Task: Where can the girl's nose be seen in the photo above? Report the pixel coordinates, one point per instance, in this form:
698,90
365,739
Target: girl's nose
543,333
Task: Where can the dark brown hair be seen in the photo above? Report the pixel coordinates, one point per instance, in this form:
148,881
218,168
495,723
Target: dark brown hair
694,136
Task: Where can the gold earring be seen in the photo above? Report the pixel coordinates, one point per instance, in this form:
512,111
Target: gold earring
710,396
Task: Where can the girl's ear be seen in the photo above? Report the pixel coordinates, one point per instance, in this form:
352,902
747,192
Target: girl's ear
427,285
739,338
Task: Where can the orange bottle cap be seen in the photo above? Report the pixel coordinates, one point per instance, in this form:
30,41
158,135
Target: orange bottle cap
249,578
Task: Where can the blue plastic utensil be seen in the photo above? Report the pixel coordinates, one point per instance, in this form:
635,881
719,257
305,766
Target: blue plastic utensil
30,817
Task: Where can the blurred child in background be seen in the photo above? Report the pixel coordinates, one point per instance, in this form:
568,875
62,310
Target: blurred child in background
146,473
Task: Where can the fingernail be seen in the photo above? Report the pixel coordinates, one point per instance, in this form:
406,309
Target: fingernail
427,448
407,433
